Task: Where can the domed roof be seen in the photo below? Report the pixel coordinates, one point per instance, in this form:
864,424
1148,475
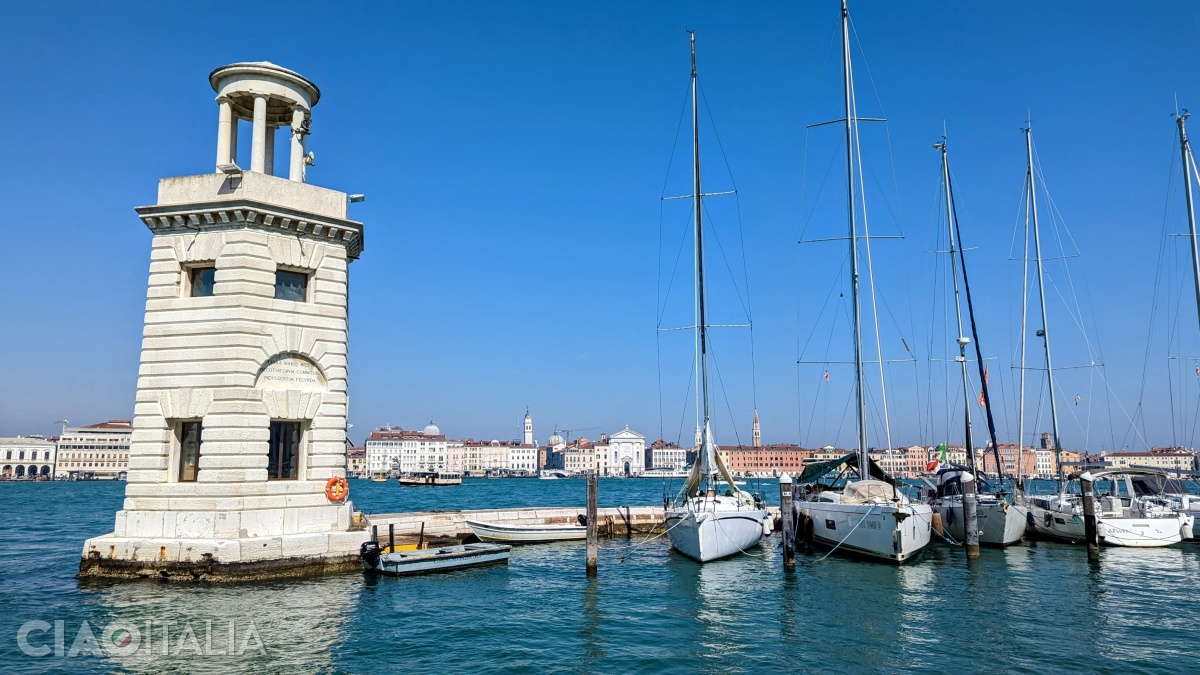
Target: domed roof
432,429
555,439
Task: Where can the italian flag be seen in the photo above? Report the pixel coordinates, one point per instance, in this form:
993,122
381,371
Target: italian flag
938,460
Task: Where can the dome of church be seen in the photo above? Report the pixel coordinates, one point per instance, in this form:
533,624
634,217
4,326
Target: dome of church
554,440
432,429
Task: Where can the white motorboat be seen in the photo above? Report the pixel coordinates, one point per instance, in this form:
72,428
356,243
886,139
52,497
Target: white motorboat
552,474
1123,517
526,533
430,478
430,560
702,524
861,510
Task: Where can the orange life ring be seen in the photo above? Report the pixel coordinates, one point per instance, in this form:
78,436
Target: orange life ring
337,489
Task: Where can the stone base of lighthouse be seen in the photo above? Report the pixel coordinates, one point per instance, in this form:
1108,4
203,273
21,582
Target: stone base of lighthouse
230,545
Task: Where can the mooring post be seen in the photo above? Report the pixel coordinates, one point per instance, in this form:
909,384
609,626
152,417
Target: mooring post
970,515
375,533
592,543
391,537
1089,516
421,538
787,520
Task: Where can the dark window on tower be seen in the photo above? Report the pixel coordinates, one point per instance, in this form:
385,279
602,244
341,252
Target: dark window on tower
202,281
188,434
283,454
291,285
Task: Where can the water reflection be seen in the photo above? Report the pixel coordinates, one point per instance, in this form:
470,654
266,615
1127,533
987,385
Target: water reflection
219,628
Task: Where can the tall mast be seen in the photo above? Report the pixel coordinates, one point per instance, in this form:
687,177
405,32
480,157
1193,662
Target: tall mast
852,200
1189,162
708,462
1045,333
962,339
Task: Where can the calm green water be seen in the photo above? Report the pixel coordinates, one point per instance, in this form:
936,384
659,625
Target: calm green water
1032,609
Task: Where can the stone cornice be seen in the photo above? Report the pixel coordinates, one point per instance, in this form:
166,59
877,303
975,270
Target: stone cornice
177,218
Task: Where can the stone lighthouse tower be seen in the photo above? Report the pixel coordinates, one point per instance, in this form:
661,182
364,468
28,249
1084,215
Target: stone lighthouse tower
240,418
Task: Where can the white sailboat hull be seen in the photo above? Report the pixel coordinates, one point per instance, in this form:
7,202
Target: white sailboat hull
1143,532
1000,524
711,529
883,531
1066,524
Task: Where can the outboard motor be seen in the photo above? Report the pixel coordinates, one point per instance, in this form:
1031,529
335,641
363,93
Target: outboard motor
370,552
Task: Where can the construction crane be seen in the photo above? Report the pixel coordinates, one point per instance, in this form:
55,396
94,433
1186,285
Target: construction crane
566,433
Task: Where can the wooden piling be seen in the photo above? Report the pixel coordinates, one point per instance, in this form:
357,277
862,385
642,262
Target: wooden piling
1090,533
592,540
970,515
391,537
375,533
787,520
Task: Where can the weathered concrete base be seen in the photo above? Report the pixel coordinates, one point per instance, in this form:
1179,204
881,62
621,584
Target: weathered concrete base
620,520
314,554
249,559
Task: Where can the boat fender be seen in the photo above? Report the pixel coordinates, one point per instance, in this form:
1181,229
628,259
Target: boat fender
1049,518
1029,519
337,489
1185,529
768,526
1101,530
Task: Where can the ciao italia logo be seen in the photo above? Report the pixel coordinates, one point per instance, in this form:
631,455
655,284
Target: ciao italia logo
207,637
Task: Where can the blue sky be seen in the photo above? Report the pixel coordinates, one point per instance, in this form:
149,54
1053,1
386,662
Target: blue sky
513,156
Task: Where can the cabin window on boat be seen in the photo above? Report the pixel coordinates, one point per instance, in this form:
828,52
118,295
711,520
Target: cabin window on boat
290,285
187,437
201,280
283,455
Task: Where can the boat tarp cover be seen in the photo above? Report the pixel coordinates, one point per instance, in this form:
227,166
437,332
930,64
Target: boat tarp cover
866,491
817,469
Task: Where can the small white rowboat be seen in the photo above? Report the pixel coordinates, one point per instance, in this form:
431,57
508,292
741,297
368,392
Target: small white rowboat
430,560
526,534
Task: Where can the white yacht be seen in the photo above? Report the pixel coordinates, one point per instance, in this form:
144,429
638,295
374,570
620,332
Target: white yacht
704,523
860,511
1123,516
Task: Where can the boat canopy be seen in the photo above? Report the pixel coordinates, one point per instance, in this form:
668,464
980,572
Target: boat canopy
817,469
867,491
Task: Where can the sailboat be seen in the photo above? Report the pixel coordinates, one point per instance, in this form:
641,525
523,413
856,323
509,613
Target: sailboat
869,516
1123,518
703,524
998,524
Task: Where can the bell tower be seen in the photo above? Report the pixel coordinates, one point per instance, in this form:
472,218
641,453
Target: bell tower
528,440
240,414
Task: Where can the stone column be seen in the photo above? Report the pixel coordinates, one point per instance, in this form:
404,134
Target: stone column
296,170
270,151
226,133
258,146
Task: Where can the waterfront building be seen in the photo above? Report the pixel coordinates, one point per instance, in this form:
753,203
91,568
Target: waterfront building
773,459
240,416
407,450
627,452
356,461
664,455
95,451
1168,459
28,457
1011,460
455,456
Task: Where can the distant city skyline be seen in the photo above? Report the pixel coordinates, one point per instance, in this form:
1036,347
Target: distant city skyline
513,159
